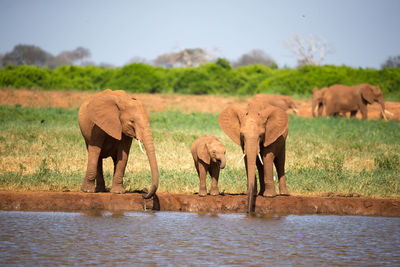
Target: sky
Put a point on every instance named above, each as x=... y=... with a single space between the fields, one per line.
x=360 y=33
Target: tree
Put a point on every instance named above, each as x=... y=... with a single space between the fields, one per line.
x=137 y=59
x=308 y=51
x=74 y=56
x=392 y=62
x=256 y=56
x=26 y=55
x=190 y=57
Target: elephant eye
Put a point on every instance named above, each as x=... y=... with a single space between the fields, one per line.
x=132 y=121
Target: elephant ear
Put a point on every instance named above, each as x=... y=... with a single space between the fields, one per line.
x=367 y=94
x=202 y=152
x=104 y=112
x=229 y=121
x=277 y=123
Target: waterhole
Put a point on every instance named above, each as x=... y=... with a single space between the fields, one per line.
x=190 y=239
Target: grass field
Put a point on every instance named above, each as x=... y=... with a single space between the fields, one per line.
x=42 y=149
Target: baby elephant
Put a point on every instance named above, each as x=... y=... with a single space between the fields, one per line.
x=209 y=156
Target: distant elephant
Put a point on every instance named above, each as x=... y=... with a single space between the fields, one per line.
x=317 y=102
x=209 y=156
x=342 y=98
x=281 y=101
x=108 y=121
x=260 y=130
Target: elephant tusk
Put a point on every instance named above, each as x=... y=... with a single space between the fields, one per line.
x=259 y=157
x=295 y=110
x=383 y=114
x=140 y=145
x=241 y=158
x=389 y=113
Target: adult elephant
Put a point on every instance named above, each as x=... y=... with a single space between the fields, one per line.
x=281 y=101
x=342 y=99
x=108 y=121
x=260 y=130
x=317 y=101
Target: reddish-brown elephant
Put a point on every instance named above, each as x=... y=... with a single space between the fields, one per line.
x=281 y=101
x=260 y=130
x=341 y=99
x=208 y=156
x=317 y=101
x=108 y=121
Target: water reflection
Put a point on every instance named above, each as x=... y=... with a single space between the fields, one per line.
x=148 y=238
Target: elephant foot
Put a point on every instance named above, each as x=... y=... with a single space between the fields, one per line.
x=286 y=194
x=214 y=192
x=270 y=195
x=118 y=189
x=202 y=193
x=88 y=186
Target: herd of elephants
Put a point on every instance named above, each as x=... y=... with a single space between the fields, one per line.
x=109 y=120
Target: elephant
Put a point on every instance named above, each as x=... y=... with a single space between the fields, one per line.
x=109 y=120
x=317 y=101
x=261 y=130
x=208 y=156
x=281 y=101
x=341 y=98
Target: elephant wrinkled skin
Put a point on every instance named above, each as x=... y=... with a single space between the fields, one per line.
x=208 y=156
x=108 y=121
x=259 y=129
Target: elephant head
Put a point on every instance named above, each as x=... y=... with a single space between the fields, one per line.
x=254 y=128
x=281 y=101
x=318 y=96
x=290 y=103
x=212 y=151
x=116 y=113
x=371 y=94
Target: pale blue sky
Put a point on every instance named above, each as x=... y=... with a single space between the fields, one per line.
x=363 y=33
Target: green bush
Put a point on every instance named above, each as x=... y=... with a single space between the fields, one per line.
x=212 y=78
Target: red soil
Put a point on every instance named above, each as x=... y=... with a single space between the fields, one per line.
x=156 y=102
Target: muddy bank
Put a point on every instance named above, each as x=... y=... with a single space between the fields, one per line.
x=74 y=201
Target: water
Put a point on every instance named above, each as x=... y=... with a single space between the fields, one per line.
x=187 y=239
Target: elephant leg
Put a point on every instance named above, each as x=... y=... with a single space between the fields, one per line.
x=88 y=184
x=269 y=176
x=202 y=171
x=214 y=172
x=353 y=113
x=260 y=169
x=122 y=159
x=100 y=185
x=320 y=109
x=364 y=111
x=279 y=162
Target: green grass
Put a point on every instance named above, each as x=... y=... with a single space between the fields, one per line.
x=42 y=149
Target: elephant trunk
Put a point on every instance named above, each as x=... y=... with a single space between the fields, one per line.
x=151 y=155
x=382 y=103
x=251 y=157
x=223 y=163
x=314 y=107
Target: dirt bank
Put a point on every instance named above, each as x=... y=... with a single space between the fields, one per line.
x=157 y=102
x=76 y=201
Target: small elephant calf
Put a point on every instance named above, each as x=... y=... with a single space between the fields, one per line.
x=209 y=156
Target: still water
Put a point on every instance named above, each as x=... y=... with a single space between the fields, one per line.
x=187 y=239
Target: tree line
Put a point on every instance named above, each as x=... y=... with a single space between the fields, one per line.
x=209 y=78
